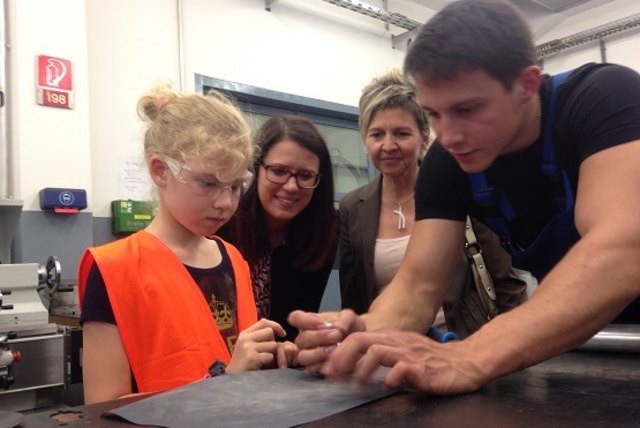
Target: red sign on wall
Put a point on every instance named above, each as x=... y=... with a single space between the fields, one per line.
x=55 y=73
x=54 y=82
x=51 y=98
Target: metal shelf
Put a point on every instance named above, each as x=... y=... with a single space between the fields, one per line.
x=595 y=34
x=542 y=51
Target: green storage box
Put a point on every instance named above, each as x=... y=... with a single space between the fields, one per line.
x=131 y=216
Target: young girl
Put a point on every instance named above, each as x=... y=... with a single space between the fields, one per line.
x=164 y=305
x=286 y=225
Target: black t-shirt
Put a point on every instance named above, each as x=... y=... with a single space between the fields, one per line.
x=293 y=289
x=290 y=288
x=217 y=285
x=597 y=107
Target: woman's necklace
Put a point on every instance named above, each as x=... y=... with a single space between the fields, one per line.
x=402 y=220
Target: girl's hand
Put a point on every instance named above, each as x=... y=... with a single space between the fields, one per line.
x=256 y=347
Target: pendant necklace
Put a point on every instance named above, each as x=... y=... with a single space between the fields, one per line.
x=402 y=220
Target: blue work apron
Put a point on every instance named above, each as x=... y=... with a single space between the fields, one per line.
x=559 y=234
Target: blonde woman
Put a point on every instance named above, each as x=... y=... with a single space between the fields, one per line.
x=376 y=220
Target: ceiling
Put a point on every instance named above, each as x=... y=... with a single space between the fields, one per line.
x=545 y=15
x=553 y=5
x=542 y=15
x=539 y=13
x=534 y=7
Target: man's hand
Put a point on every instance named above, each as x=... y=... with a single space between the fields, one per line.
x=321 y=333
x=425 y=364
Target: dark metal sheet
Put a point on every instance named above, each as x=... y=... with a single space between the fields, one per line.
x=578 y=389
x=10 y=419
x=267 y=398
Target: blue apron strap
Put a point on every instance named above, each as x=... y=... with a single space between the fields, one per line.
x=549 y=162
x=550 y=165
x=486 y=195
x=482 y=192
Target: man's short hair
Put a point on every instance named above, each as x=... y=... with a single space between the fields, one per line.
x=470 y=35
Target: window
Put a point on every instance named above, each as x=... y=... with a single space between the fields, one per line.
x=337 y=123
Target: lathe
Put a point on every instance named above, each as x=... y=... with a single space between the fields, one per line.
x=33 y=351
x=31 y=348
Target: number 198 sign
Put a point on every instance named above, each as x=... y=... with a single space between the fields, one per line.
x=55 y=82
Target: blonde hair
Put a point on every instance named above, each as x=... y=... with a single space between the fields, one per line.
x=391 y=90
x=210 y=129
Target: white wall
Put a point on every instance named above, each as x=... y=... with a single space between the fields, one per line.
x=120 y=48
x=132 y=44
x=308 y=48
x=50 y=146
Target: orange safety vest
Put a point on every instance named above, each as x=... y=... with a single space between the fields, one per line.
x=166 y=326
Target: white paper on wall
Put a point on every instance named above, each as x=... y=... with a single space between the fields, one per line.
x=133 y=180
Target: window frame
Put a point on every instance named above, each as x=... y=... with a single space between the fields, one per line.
x=253 y=99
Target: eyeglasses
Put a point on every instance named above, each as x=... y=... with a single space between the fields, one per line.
x=205 y=186
x=280 y=175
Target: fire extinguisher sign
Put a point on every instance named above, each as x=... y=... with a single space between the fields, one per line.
x=54 y=82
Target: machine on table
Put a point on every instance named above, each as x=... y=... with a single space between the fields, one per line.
x=34 y=353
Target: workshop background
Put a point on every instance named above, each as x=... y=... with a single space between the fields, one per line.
x=311 y=57
x=312 y=48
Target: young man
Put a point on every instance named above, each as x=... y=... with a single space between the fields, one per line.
x=553 y=171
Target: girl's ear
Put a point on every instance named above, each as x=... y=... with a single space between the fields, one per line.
x=158 y=170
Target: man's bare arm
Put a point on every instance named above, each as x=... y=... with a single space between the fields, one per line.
x=597 y=278
x=412 y=298
x=590 y=285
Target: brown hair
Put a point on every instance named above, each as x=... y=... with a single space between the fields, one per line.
x=312 y=234
x=469 y=35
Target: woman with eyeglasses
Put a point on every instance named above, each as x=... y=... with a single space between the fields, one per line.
x=286 y=224
x=172 y=304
